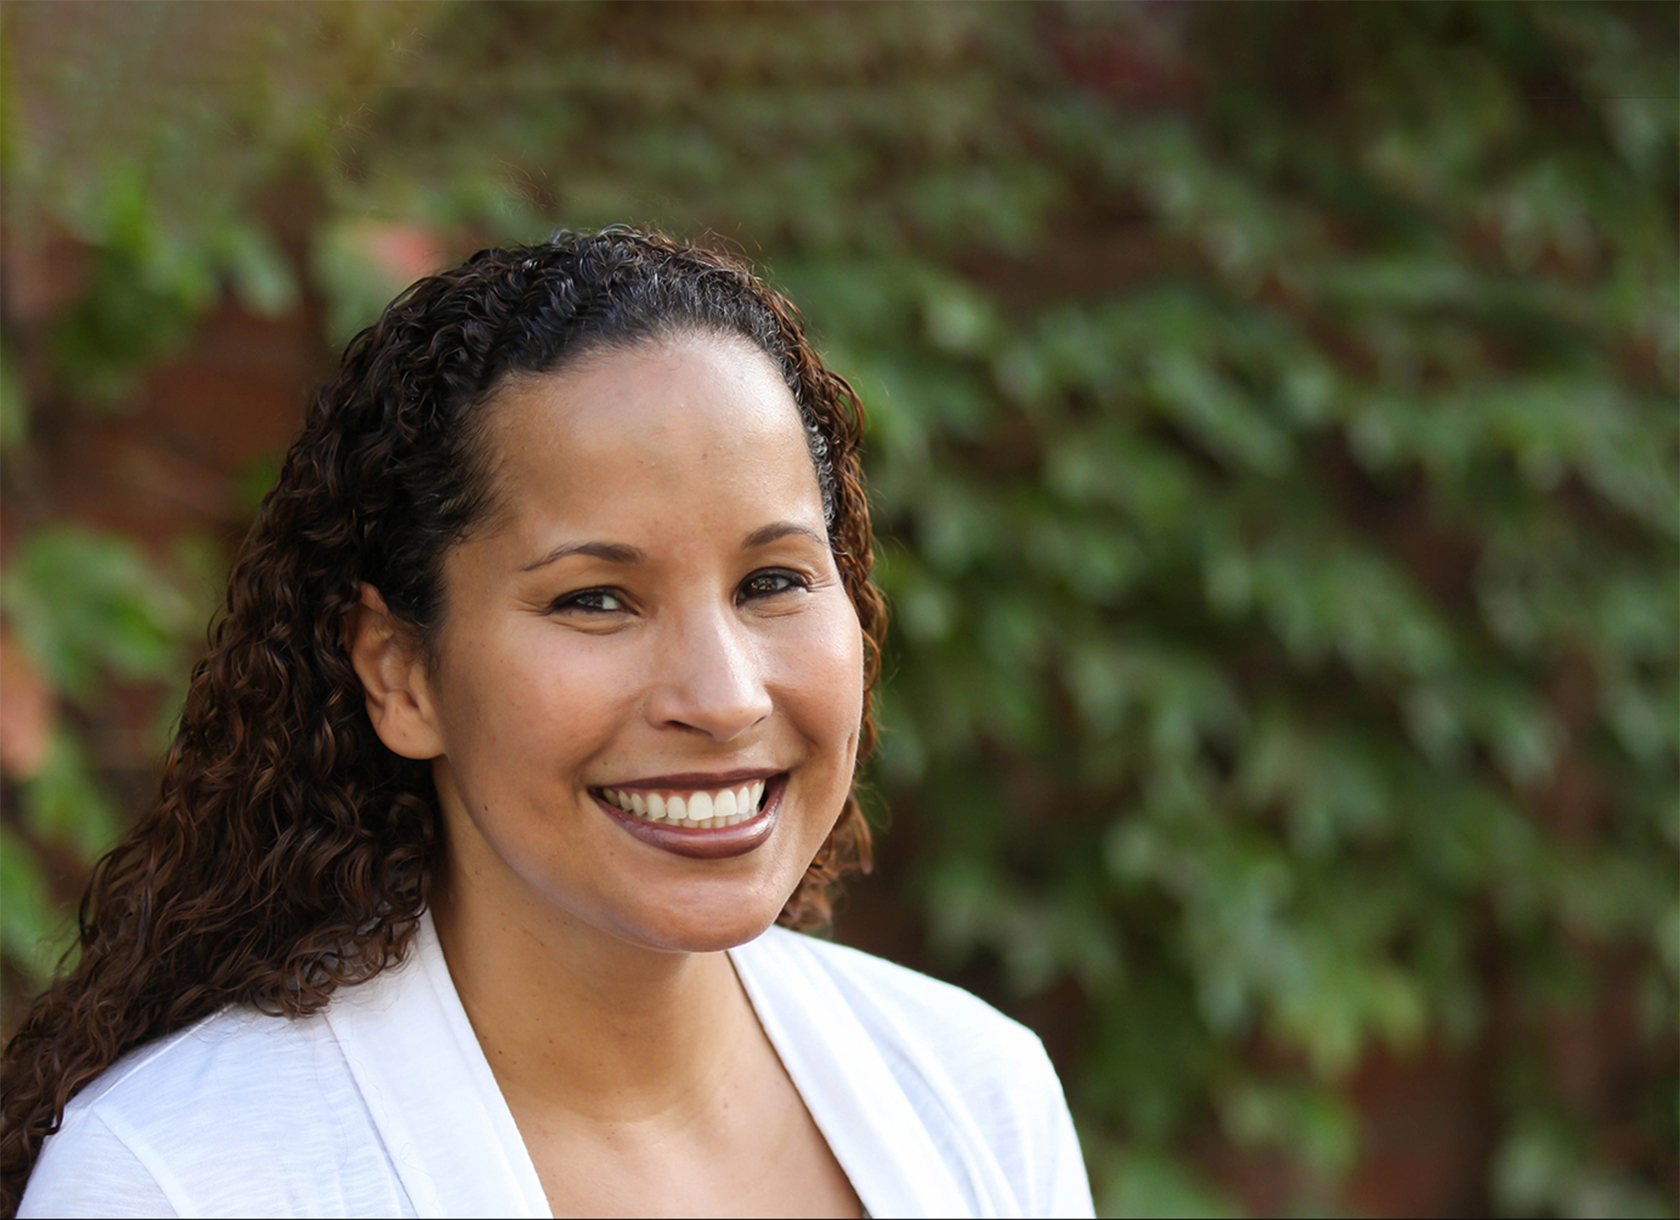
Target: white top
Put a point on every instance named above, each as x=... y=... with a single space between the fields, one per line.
x=384 y=1105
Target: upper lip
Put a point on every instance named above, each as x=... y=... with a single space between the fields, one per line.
x=700 y=779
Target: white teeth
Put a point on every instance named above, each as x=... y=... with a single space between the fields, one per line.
x=702 y=809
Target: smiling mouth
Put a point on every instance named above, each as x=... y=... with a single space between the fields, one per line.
x=665 y=817
x=695 y=809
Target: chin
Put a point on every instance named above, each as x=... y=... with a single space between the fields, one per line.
x=708 y=924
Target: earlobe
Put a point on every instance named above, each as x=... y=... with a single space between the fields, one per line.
x=388 y=660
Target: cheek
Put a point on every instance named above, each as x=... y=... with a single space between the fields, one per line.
x=531 y=701
x=822 y=679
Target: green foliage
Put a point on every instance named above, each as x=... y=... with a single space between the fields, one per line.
x=1273 y=447
x=88 y=604
x=89 y=608
x=27 y=910
x=14 y=409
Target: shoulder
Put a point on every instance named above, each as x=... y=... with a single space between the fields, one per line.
x=237 y=1066
x=976 y=1078
x=914 y=1013
x=217 y=1118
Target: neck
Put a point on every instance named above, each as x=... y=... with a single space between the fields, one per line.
x=574 y=1019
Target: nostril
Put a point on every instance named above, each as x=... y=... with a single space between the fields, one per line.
x=708 y=678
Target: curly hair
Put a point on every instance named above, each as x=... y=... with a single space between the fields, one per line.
x=289 y=851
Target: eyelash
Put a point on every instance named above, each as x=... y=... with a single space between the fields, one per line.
x=575 y=601
x=793 y=581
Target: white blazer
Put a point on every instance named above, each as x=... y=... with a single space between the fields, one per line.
x=384 y=1105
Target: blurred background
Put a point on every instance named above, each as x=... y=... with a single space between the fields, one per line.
x=1274 y=448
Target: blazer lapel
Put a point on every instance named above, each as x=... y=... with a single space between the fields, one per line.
x=431 y=1093
x=871 y=1128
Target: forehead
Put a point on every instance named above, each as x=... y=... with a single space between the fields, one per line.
x=691 y=415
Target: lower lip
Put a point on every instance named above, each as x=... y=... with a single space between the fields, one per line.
x=699 y=842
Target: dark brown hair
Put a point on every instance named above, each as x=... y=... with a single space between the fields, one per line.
x=289 y=850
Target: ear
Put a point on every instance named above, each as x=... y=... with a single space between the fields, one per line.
x=392 y=667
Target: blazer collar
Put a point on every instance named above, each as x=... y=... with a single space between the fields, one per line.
x=458 y=1151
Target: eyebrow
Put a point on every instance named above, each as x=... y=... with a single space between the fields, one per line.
x=781 y=529
x=618 y=552
x=612 y=552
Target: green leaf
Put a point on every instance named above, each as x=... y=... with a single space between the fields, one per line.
x=29 y=924
x=89 y=604
x=65 y=803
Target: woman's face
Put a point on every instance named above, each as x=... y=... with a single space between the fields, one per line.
x=650 y=623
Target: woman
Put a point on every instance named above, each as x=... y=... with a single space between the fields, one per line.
x=539 y=697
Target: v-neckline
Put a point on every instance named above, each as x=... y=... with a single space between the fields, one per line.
x=418 y=1064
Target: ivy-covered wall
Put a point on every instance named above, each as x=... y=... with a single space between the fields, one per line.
x=1275 y=449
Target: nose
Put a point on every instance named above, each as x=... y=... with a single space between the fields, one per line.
x=710 y=678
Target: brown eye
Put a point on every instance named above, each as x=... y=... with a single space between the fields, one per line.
x=589 y=601
x=770 y=582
